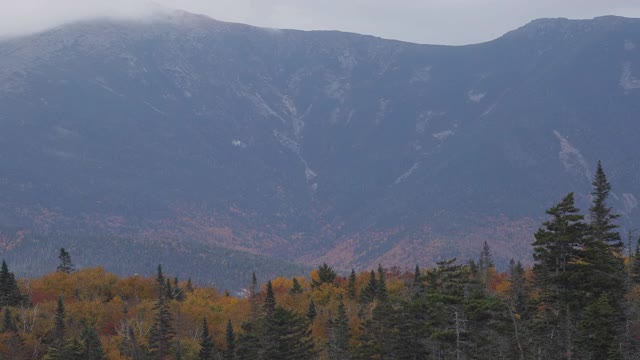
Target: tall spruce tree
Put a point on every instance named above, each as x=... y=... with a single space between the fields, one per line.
x=558 y=272
x=65 y=266
x=207 y=347
x=339 y=335
x=230 y=351
x=92 y=347
x=311 y=311
x=161 y=333
x=287 y=336
x=10 y=294
x=351 y=285
x=381 y=286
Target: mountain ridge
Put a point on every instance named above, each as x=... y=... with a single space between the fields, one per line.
x=314 y=146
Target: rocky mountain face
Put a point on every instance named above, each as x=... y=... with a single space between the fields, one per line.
x=313 y=146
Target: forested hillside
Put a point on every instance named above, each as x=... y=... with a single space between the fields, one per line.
x=580 y=300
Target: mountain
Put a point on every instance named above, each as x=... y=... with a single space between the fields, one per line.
x=313 y=146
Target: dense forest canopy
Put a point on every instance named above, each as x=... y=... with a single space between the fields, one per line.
x=580 y=300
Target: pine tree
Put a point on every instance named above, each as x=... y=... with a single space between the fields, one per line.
x=206 y=343
x=295 y=288
x=603 y=248
x=351 y=285
x=368 y=293
x=8 y=323
x=417 y=285
x=326 y=275
x=92 y=347
x=269 y=300
x=161 y=333
x=381 y=286
x=189 y=286
x=287 y=336
x=65 y=266
x=339 y=335
x=60 y=325
x=597 y=340
x=230 y=351
x=485 y=265
x=10 y=294
x=559 y=272
x=311 y=311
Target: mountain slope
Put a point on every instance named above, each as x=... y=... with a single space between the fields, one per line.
x=312 y=146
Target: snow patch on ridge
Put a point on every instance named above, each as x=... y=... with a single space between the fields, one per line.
x=408 y=173
x=474 y=96
x=571 y=158
x=443 y=135
x=627 y=80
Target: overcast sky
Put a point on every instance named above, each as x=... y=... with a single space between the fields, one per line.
x=423 y=21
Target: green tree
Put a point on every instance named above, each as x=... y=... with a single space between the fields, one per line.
x=381 y=285
x=559 y=272
x=10 y=294
x=65 y=266
x=326 y=275
x=369 y=291
x=295 y=288
x=351 y=285
x=207 y=348
x=270 y=299
x=8 y=323
x=230 y=351
x=92 y=347
x=287 y=336
x=339 y=335
x=161 y=333
x=311 y=311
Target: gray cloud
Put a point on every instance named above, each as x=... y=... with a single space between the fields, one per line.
x=424 y=21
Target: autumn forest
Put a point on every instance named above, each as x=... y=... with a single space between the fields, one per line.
x=580 y=300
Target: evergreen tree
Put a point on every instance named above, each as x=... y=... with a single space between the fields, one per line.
x=250 y=340
x=160 y=283
x=559 y=273
x=635 y=264
x=417 y=287
x=381 y=285
x=229 y=353
x=603 y=248
x=161 y=333
x=596 y=338
x=351 y=285
x=287 y=336
x=60 y=325
x=326 y=275
x=485 y=265
x=8 y=323
x=295 y=288
x=368 y=293
x=339 y=335
x=311 y=311
x=269 y=300
x=207 y=347
x=518 y=293
x=92 y=347
x=189 y=286
x=65 y=266
x=10 y=294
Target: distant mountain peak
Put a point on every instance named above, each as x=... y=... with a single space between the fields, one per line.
x=564 y=28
